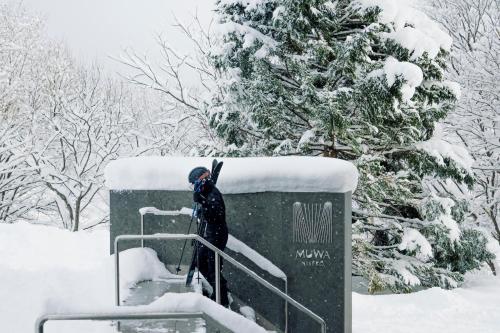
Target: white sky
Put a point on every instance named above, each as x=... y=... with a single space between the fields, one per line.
x=95 y=29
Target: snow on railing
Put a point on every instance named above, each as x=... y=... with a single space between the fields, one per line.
x=238 y=246
x=156 y=211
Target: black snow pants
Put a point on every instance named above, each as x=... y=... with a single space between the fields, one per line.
x=216 y=235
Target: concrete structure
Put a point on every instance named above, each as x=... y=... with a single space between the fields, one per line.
x=306 y=234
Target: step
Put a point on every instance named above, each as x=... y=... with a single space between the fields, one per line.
x=164 y=326
x=146 y=292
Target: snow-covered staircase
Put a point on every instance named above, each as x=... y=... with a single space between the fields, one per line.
x=215 y=317
x=147 y=292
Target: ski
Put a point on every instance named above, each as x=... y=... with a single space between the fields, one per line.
x=192 y=267
x=216 y=167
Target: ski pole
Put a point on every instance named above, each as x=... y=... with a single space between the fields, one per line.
x=198 y=245
x=178 y=269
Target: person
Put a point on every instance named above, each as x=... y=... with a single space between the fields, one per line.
x=213 y=212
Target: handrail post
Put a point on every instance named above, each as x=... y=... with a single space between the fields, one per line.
x=117 y=273
x=142 y=229
x=40 y=322
x=286 y=306
x=217 y=278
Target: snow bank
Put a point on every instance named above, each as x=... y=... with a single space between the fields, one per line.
x=238 y=175
x=29 y=247
x=139 y=264
x=475 y=308
x=49 y=270
x=45 y=269
x=412 y=29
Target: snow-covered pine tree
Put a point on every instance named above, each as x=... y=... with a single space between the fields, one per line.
x=360 y=80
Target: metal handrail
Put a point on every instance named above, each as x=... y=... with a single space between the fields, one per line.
x=40 y=322
x=158 y=212
x=218 y=253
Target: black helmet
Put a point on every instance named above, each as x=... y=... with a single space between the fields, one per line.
x=195 y=174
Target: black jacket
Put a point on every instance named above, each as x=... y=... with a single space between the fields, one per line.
x=213 y=212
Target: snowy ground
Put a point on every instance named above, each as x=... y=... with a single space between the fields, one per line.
x=473 y=308
x=47 y=269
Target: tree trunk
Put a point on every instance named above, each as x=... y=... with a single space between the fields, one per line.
x=330 y=152
x=76 y=225
x=492 y=267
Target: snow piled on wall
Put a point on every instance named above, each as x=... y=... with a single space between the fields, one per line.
x=238 y=175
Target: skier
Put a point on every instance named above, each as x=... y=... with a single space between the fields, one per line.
x=213 y=213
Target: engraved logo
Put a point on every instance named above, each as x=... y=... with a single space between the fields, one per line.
x=312 y=223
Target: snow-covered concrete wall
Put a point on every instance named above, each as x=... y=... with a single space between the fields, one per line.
x=303 y=231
